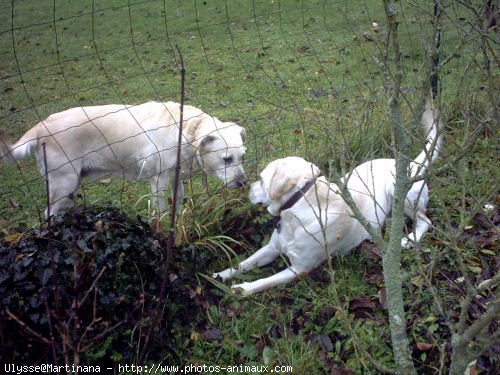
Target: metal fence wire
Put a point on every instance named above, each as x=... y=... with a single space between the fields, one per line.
x=302 y=77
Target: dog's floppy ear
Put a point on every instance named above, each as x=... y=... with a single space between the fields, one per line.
x=207 y=140
x=285 y=177
x=243 y=134
x=280 y=183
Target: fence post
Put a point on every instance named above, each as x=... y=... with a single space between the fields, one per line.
x=171 y=232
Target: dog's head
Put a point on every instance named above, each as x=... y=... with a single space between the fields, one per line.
x=220 y=154
x=279 y=180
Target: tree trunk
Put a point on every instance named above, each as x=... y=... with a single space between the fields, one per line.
x=392 y=255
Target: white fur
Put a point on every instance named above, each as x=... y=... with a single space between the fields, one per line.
x=130 y=142
x=321 y=223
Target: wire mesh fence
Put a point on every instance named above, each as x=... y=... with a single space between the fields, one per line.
x=308 y=78
x=302 y=78
x=264 y=79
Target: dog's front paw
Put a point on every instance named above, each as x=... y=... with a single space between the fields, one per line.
x=226 y=274
x=243 y=289
x=407 y=243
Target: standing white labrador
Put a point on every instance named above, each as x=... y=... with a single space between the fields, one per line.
x=131 y=142
x=316 y=221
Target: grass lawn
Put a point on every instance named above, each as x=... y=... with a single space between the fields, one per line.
x=304 y=78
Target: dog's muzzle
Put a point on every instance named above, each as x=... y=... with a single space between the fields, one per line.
x=238 y=183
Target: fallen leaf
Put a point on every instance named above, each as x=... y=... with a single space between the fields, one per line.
x=483 y=220
x=368 y=36
x=471 y=369
x=318 y=93
x=361 y=302
x=418 y=281
x=322 y=340
x=475 y=269
x=13 y=239
x=370 y=250
x=361 y=307
x=488 y=252
x=212 y=334
x=14 y=203
x=424 y=346
x=373 y=278
x=382 y=298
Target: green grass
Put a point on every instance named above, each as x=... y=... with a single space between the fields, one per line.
x=275 y=68
x=303 y=78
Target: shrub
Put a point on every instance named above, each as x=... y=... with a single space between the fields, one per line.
x=84 y=290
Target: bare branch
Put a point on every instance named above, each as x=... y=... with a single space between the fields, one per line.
x=27 y=328
x=481 y=323
x=82 y=301
x=488 y=284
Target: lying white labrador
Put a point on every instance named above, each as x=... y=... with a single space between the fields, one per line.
x=316 y=221
x=130 y=142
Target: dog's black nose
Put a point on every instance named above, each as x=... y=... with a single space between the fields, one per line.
x=239 y=183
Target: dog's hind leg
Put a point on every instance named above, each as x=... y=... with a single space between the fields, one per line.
x=422 y=225
x=415 y=209
x=180 y=192
x=158 y=189
x=62 y=187
x=263 y=256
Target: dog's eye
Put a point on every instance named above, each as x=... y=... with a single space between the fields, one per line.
x=228 y=159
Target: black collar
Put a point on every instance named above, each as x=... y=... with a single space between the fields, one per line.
x=291 y=202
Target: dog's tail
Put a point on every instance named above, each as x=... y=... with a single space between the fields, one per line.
x=12 y=152
x=432 y=126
